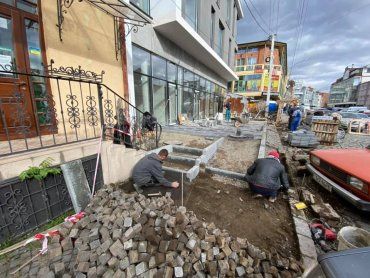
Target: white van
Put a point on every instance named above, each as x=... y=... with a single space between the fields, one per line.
x=356 y=109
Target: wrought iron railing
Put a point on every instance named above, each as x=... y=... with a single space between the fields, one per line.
x=57 y=106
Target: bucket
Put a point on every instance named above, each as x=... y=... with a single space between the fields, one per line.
x=351 y=237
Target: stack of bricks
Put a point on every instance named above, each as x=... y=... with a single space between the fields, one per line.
x=303 y=139
x=128 y=235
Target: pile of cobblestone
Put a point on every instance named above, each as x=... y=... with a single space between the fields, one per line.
x=129 y=235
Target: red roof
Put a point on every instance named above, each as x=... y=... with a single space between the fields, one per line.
x=355 y=162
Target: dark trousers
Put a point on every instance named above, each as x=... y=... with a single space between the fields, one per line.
x=267 y=192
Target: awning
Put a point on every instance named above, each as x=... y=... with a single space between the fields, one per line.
x=122 y=9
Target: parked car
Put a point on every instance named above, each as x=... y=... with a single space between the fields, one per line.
x=344 y=172
x=352 y=263
x=347 y=117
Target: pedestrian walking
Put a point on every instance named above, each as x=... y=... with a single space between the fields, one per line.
x=228 y=111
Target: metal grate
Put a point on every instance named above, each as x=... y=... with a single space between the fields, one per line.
x=25 y=206
x=340 y=175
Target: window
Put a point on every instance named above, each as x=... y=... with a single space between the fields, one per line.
x=229 y=54
x=159 y=67
x=241 y=50
x=143 y=5
x=188 y=78
x=141 y=60
x=190 y=12
x=221 y=29
x=29 y=6
x=234 y=19
x=254 y=49
x=252 y=61
x=212 y=37
x=228 y=19
x=180 y=75
x=142 y=92
x=240 y=62
x=171 y=72
x=159 y=88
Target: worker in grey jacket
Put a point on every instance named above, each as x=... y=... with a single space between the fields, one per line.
x=148 y=171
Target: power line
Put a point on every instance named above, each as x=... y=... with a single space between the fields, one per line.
x=259 y=25
x=258 y=13
x=277 y=17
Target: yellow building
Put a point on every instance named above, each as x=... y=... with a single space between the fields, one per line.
x=56 y=57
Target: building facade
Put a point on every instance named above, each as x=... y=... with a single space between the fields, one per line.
x=182 y=62
x=363 y=98
x=307 y=96
x=252 y=69
x=344 y=91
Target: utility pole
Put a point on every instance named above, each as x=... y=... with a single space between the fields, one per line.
x=272 y=37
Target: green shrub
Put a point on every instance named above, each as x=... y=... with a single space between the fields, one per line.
x=41 y=172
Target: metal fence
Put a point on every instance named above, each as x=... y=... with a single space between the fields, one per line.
x=27 y=205
x=57 y=106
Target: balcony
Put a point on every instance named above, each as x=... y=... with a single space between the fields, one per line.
x=170 y=23
x=258 y=68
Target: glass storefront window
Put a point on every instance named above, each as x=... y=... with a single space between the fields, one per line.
x=208 y=86
x=180 y=100
x=142 y=92
x=187 y=105
x=202 y=105
x=171 y=72
x=208 y=96
x=196 y=81
x=159 y=99
x=141 y=60
x=188 y=78
x=172 y=104
x=180 y=75
x=159 y=67
x=202 y=84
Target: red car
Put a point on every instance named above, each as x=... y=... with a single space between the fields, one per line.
x=345 y=172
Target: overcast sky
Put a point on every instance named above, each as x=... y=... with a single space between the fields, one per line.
x=336 y=34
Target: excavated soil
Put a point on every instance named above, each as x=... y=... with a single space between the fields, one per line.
x=186 y=139
x=264 y=224
x=235 y=155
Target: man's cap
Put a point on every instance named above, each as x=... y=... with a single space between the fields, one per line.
x=274 y=153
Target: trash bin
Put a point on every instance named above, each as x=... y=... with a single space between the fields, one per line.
x=352 y=237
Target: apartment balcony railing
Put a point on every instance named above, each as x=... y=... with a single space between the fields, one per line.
x=258 y=68
x=58 y=106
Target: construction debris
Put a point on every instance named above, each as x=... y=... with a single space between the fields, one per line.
x=128 y=235
x=327 y=213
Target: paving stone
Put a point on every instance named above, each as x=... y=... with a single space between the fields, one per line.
x=104 y=258
x=240 y=271
x=95 y=244
x=191 y=244
x=141 y=268
x=117 y=249
x=83 y=256
x=124 y=263
x=130 y=271
x=133 y=256
x=128 y=244
x=83 y=267
x=113 y=262
x=92 y=273
x=127 y=222
x=119 y=274
x=142 y=246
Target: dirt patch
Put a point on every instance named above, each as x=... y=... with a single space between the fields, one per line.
x=177 y=165
x=186 y=139
x=264 y=224
x=236 y=156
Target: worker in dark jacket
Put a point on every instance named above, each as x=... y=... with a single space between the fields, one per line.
x=148 y=171
x=266 y=176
